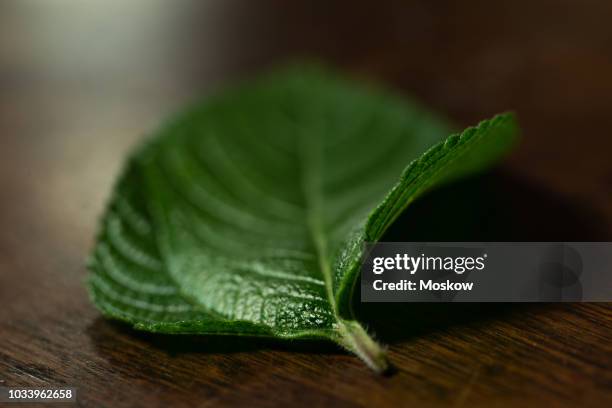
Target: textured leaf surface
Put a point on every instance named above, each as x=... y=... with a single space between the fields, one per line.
x=247 y=215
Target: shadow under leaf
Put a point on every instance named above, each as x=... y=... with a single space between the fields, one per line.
x=491 y=207
x=110 y=335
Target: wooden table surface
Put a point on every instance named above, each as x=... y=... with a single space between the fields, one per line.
x=81 y=82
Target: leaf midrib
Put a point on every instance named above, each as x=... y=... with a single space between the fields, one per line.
x=348 y=333
x=310 y=183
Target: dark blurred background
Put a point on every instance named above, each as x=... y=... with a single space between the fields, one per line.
x=82 y=81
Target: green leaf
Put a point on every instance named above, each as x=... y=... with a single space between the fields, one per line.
x=247 y=215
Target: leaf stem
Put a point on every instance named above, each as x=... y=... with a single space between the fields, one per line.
x=355 y=339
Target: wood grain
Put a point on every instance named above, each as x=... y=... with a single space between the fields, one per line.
x=81 y=83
